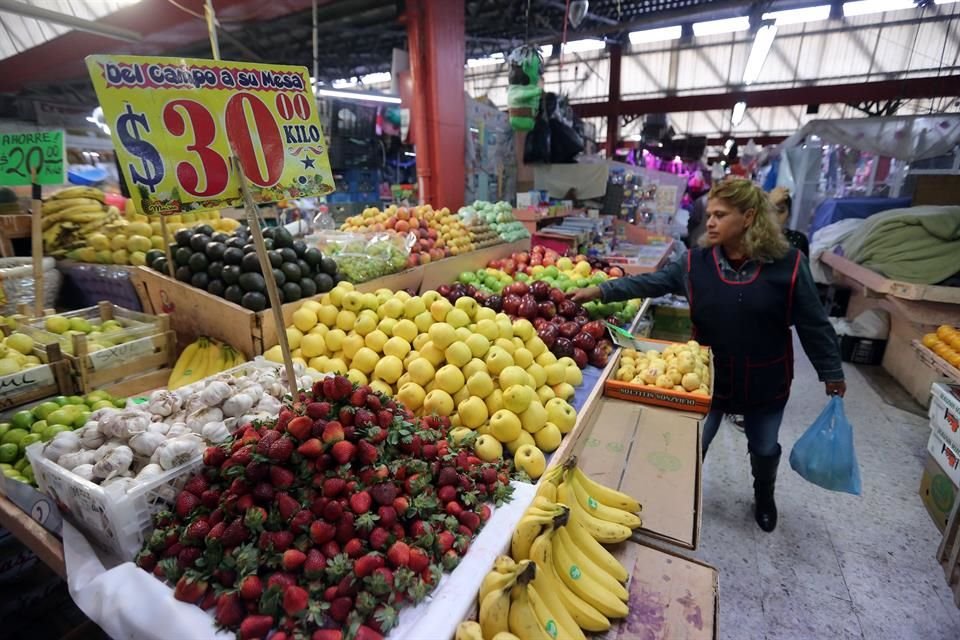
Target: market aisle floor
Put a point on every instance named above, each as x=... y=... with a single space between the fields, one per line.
x=837 y=566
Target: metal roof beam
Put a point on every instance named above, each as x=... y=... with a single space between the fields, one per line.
x=73 y=22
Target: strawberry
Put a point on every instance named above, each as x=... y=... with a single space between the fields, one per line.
x=400 y=505
x=384 y=493
x=209 y=600
x=146 y=560
x=312 y=448
x=244 y=502
x=189 y=589
x=185 y=503
x=251 y=588
x=257 y=471
x=445 y=540
x=327 y=634
x=450 y=560
x=363 y=419
x=373 y=402
x=196 y=531
x=367 y=453
x=419 y=560
x=359 y=397
x=453 y=508
x=295 y=600
x=343 y=451
x=196 y=485
x=287 y=506
x=300 y=427
x=300 y=523
x=340 y=608
x=255 y=626
x=470 y=520
x=430 y=451
x=281 y=449
x=332 y=432
x=281 y=478
x=318 y=410
x=230 y=610
x=360 y=502
x=281 y=580
x=384 y=419
x=293 y=559
x=489 y=475
x=239 y=487
x=188 y=556
x=366 y=565
x=399 y=554
x=284 y=418
x=343 y=387
x=330 y=593
x=397 y=531
x=345 y=528
x=447 y=493
x=379 y=538
x=388 y=516
x=447 y=476
x=210 y=498
x=282 y=540
x=353 y=549
x=366 y=633
x=214 y=456
x=314 y=565
x=321 y=531
x=330 y=548
x=333 y=487
x=243 y=455
x=235 y=533
x=333 y=511
x=419 y=528
x=485 y=512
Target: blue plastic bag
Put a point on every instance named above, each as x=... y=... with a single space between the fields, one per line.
x=824 y=455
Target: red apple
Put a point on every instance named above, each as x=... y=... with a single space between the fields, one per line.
x=557 y=296
x=540 y=290
x=595 y=329
x=585 y=341
x=568 y=308
x=528 y=309
x=546 y=309
x=511 y=304
x=444 y=290
x=601 y=353
x=569 y=329
x=523 y=257
x=580 y=357
x=494 y=302
x=539 y=323
x=548 y=334
x=562 y=347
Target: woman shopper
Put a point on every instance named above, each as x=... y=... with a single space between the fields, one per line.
x=782 y=205
x=745 y=286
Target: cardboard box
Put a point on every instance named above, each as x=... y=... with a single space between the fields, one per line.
x=654 y=455
x=679 y=400
x=946 y=456
x=38 y=506
x=937 y=492
x=944 y=412
x=672 y=320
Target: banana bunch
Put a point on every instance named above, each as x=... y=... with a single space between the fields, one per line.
x=202 y=358
x=71 y=214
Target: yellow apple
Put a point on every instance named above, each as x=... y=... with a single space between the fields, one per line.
x=459 y=434
x=439 y=402
x=548 y=438
x=534 y=417
x=494 y=401
x=457 y=318
x=475 y=365
x=538 y=373
x=497 y=360
x=523 y=357
x=468 y=305
x=396 y=347
x=421 y=371
x=478 y=344
x=458 y=354
x=511 y=376
x=545 y=358
x=506 y=344
x=440 y=309
x=564 y=391
x=472 y=412
x=489 y=449
x=376 y=340
x=535 y=346
x=423 y=321
x=522 y=439
x=573 y=376
x=450 y=379
x=413 y=307
x=389 y=369
x=405 y=329
x=488 y=329
x=505 y=425
x=556 y=373
x=411 y=395
x=480 y=384
x=560 y=413
x=365 y=360
x=517 y=398
x=523 y=329
x=530 y=459
x=433 y=353
x=442 y=335
x=545 y=394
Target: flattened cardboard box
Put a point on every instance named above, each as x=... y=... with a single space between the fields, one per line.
x=944 y=412
x=653 y=455
x=945 y=455
x=937 y=492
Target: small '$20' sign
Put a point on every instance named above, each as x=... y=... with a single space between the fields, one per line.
x=24 y=153
x=176 y=124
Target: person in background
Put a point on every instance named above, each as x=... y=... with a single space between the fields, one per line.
x=783 y=204
x=746 y=287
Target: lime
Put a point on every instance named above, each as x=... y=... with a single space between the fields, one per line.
x=120 y=403
x=5 y=465
x=14 y=436
x=102 y=404
x=44 y=409
x=21 y=342
x=21 y=464
x=13 y=474
x=61 y=400
x=22 y=419
x=4 y=427
x=61 y=416
x=96 y=396
x=82 y=418
x=53 y=430
x=38 y=427
x=76 y=400
x=56 y=324
x=27 y=474
x=8 y=453
x=29 y=440
x=80 y=324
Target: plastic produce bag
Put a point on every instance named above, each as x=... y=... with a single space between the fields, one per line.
x=364 y=256
x=824 y=454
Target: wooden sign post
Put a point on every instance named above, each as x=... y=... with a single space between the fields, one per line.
x=36 y=243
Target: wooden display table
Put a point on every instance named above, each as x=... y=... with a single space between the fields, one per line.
x=535 y=220
x=43 y=543
x=13 y=226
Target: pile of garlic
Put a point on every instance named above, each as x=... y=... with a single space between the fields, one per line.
x=121 y=448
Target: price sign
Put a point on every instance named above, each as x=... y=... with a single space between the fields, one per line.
x=176 y=123
x=27 y=151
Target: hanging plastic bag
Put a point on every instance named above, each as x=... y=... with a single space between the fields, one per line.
x=824 y=455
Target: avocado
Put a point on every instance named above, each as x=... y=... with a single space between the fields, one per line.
x=215 y=269
x=183 y=237
x=233 y=293
x=153 y=255
x=200 y=280
x=250 y=263
x=199 y=242
x=182 y=256
x=268 y=244
x=300 y=247
x=183 y=274
x=205 y=229
x=279 y=277
x=220 y=236
x=216 y=287
x=337 y=279
x=308 y=288
x=282 y=238
x=313 y=257
x=252 y=282
x=215 y=251
x=233 y=255
x=324 y=282
x=329 y=266
x=288 y=255
x=254 y=301
x=230 y=273
x=305 y=270
x=249 y=248
x=198 y=262
x=160 y=264
x=236 y=242
x=292 y=271
x=268 y=232
x=275 y=259
x=291 y=292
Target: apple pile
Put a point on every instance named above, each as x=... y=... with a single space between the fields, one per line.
x=564 y=326
x=325 y=521
x=539 y=258
x=679 y=367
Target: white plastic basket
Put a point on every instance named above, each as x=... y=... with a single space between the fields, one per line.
x=16 y=278
x=119 y=522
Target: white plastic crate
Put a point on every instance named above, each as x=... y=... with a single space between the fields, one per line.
x=119 y=522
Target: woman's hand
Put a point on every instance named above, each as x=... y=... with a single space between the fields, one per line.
x=836 y=388
x=585 y=295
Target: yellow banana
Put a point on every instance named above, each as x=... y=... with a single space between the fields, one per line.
x=545 y=504
x=588 y=566
x=219 y=363
x=600 y=510
x=468 y=630
x=78 y=192
x=595 y=551
x=215 y=359
x=547 y=490
x=523 y=620
x=494 y=613
x=182 y=362
x=557 y=594
x=584 y=585
x=53 y=206
x=82 y=214
x=601 y=530
x=555 y=619
x=504 y=635
x=504 y=564
x=498 y=580
x=527 y=530
x=606 y=495
x=553 y=475
x=194 y=369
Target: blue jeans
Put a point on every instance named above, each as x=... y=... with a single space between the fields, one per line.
x=761 y=427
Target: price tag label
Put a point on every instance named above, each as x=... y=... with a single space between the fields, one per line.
x=25 y=151
x=176 y=122
x=13 y=384
x=120 y=354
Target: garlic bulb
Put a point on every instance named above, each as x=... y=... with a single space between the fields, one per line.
x=215 y=393
x=70 y=460
x=119 y=484
x=176 y=430
x=115 y=462
x=85 y=471
x=215 y=432
x=146 y=443
x=149 y=471
x=62 y=443
x=237 y=405
x=105 y=449
x=178 y=451
x=90 y=436
x=164 y=403
x=159 y=427
x=268 y=404
x=196 y=420
x=252 y=389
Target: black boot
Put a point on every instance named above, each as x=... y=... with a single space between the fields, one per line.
x=764 y=478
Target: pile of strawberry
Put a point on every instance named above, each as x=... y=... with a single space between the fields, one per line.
x=322 y=524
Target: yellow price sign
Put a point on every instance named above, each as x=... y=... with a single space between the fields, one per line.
x=176 y=123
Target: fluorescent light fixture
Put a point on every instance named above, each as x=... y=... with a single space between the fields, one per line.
x=496 y=58
x=945 y=1
x=739 y=110
x=376 y=77
x=655 y=35
x=806 y=14
x=410 y=153
x=715 y=27
x=358 y=95
x=758 y=52
x=546 y=50
x=865 y=7
x=582 y=46
x=343 y=83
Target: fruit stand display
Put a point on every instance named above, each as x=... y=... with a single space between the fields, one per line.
x=28 y=373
